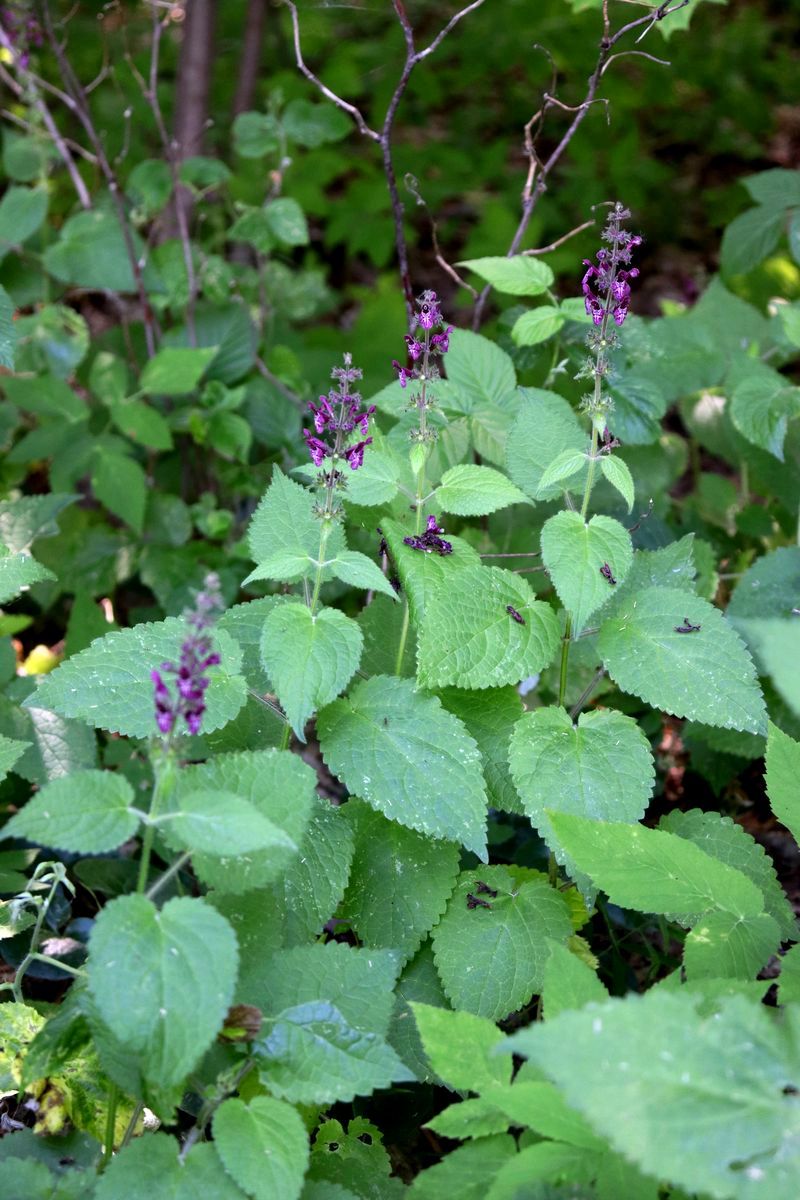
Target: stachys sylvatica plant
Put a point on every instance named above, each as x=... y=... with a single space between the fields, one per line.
x=402 y=811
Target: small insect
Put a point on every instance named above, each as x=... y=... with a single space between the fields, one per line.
x=474 y=902
x=608 y=574
x=483 y=889
x=686 y=627
x=512 y=612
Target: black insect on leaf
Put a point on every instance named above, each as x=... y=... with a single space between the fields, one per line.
x=512 y=612
x=686 y=627
x=483 y=889
x=475 y=902
x=608 y=574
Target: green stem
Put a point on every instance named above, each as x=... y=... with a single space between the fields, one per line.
x=16 y=987
x=111 y=1119
x=163 y=782
x=325 y=533
x=286 y=736
x=170 y=873
x=587 y=492
x=401 y=648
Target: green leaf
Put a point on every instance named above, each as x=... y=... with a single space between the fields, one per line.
x=108 y=685
x=537 y=325
x=359 y=571
x=706 y=675
x=142 y=424
x=224 y=825
x=730 y=843
x=789 y=983
x=24 y=520
x=22 y=211
x=313 y=125
x=783 y=773
x=469 y=638
x=384 y=721
x=162 y=980
x=120 y=484
x=8 y=334
x=761 y=407
x=491 y=960
x=489 y=716
x=422 y=574
x=576 y=554
x=473 y=491
x=749 y=239
x=466 y=1172
x=91 y=253
x=287 y=222
x=776 y=645
x=87 y=811
x=56 y=747
x=520 y=275
x=618 y=474
x=176 y=371
x=150 y=1166
x=150 y=185
x=600 y=768
x=279 y=786
x=317 y=877
x=352 y=1163
x=769 y=587
x=708 y=1102
x=654 y=871
x=400 y=881
x=722 y=946
x=480 y=371
x=10 y=750
x=420 y=983
x=255 y=134
x=565 y=466
x=310 y=658
x=468 y=1119
x=18 y=573
x=568 y=983
x=460 y=1047
x=777 y=188
x=263 y=1146
x=284 y=534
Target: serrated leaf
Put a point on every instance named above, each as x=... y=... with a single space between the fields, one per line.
x=479 y=371
x=537 y=325
x=568 y=983
x=284 y=535
x=775 y=645
x=86 y=812
x=769 y=587
x=24 y=520
x=489 y=716
x=384 y=721
x=11 y=749
x=749 y=239
x=689 y=1098
x=263 y=1146
x=316 y=879
x=149 y=969
x=783 y=777
x=671 y=566
x=706 y=675
x=460 y=1048
x=309 y=657
x=421 y=573
x=473 y=491
x=355 y=1158
x=18 y=573
x=466 y=1172
x=564 y=467
x=722 y=946
x=400 y=881
x=287 y=222
x=108 y=685
x=776 y=188
x=730 y=843
x=520 y=275
x=359 y=571
x=600 y=768
x=281 y=789
x=469 y=638
x=176 y=370
x=618 y=474
x=576 y=553
x=224 y=825
x=654 y=871
x=491 y=960
x=150 y=1166
x=468 y=1119
x=761 y=406
x=142 y=424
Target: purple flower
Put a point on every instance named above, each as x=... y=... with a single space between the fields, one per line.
x=442 y=340
x=415 y=348
x=323 y=414
x=355 y=454
x=605 y=286
x=429 y=314
x=405 y=373
x=317 y=449
x=429 y=541
x=196 y=658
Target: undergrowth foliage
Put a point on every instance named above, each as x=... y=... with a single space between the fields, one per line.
x=397 y=781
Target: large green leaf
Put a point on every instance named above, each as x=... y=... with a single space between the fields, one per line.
x=284 y=534
x=176 y=370
x=224 y=825
x=491 y=956
x=706 y=1102
x=162 y=980
x=91 y=253
x=770 y=587
x=18 y=573
x=600 y=768
x=466 y=1172
x=489 y=716
x=315 y=880
x=473 y=491
x=706 y=674
x=576 y=554
x=519 y=275
x=400 y=881
x=761 y=406
x=419 y=983
x=776 y=648
x=87 y=812
x=263 y=1145
x=537 y=325
x=420 y=573
x=654 y=871
x=569 y=982
x=460 y=1047
x=470 y=639
x=545 y=427
x=119 y=482
x=783 y=779
x=750 y=238
x=150 y=1167
x=385 y=722
x=723 y=946
x=480 y=371
x=22 y=211
x=310 y=658
x=108 y=685
x=28 y=518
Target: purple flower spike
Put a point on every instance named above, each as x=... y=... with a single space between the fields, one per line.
x=196 y=658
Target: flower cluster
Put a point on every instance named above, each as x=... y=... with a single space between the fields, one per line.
x=335 y=417
x=423 y=345
x=605 y=287
x=430 y=540
x=197 y=656
x=22 y=29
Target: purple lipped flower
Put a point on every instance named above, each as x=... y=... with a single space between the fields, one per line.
x=429 y=313
x=442 y=340
x=323 y=414
x=355 y=454
x=434 y=526
x=196 y=659
x=404 y=373
x=429 y=541
x=415 y=348
x=317 y=449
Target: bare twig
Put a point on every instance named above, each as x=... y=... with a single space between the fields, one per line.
x=383 y=137
x=662 y=62
x=412 y=185
x=539 y=169
x=559 y=241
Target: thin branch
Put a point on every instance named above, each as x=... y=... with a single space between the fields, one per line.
x=412 y=185
x=559 y=241
x=586 y=693
x=662 y=62
x=277 y=383
x=451 y=24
